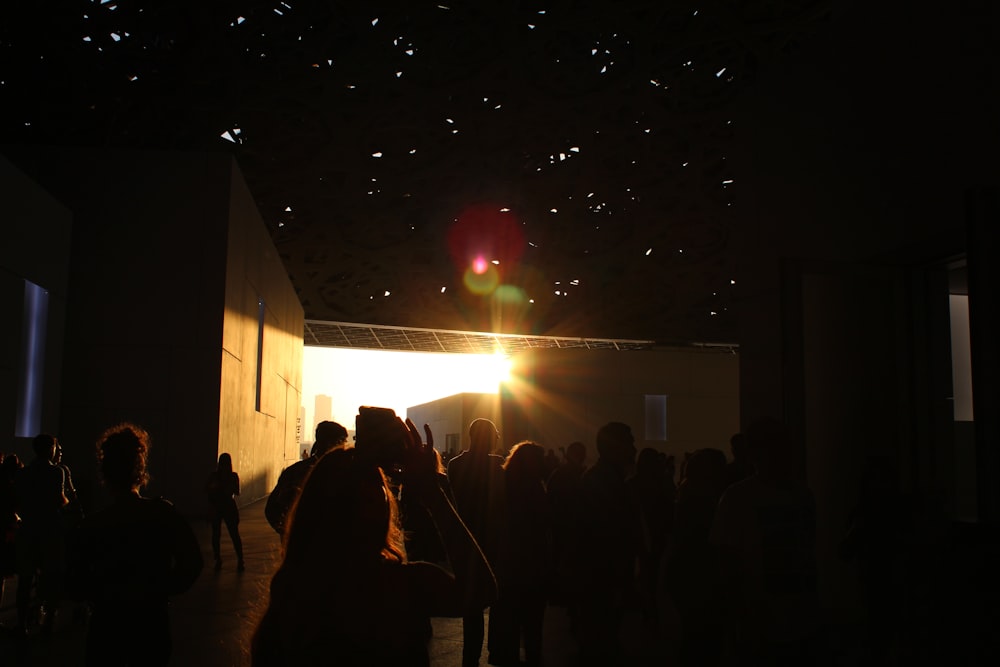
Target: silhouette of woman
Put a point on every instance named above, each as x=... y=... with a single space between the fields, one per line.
x=222 y=488
x=345 y=593
x=132 y=556
x=520 y=611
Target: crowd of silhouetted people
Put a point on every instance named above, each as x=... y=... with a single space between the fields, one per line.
x=114 y=568
x=725 y=548
x=373 y=548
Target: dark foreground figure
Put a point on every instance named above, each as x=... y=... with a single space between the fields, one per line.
x=345 y=593
x=132 y=556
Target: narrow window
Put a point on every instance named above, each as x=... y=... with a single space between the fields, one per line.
x=34 y=326
x=656 y=417
x=260 y=350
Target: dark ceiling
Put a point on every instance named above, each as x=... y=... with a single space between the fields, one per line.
x=576 y=149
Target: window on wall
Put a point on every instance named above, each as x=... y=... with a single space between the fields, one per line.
x=34 y=326
x=656 y=417
x=260 y=351
x=451 y=443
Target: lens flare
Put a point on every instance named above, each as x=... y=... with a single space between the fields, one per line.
x=485 y=232
x=510 y=294
x=480 y=265
x=483 y=283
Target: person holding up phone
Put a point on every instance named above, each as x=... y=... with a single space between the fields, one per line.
x=345 y=592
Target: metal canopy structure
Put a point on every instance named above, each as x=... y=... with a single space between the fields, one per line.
x=349 y=335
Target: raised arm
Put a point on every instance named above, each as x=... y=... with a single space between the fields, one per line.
x=474 y=584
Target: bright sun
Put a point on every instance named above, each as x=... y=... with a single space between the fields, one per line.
x=395 y=380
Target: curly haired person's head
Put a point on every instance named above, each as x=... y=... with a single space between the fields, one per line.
x=122 y=452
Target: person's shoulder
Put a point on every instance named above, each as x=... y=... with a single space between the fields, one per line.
x=418 y=575
x=457 y=461
x=297 y=469
x=742 y=491
x=157 y=507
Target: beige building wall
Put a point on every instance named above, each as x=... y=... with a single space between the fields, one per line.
x=560 y=396
x=169 y=258
x=261 y=333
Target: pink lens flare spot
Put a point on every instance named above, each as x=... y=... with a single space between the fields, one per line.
x=479 y=265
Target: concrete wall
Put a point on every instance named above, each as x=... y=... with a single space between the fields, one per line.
x=155 y=306
x=261 y=439
x=36 y=248
x=852 y=196
x=566 y=395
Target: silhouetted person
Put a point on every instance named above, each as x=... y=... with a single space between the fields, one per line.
x=328 y=435
x=41 y=539
x=740 y=467
x=422 y=539
x=133 y=555
x=611 y=543
x=551 y=463
x=477 y=482
x=565 y=495
x=876 y=539
x=9 y=521
x=765 y=527
x=691 y=574
x=345 y=593
x=520 y=610
x=73 y=510
x=222 y=488
x=655 y=496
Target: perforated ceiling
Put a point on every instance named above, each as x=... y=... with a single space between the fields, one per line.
x=541 y=168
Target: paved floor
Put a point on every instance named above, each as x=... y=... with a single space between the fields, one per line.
x=212 y=621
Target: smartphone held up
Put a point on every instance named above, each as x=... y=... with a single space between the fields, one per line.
x=380 y=436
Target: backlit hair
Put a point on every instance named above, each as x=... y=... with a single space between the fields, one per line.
x=337 y=513
x=122 y=452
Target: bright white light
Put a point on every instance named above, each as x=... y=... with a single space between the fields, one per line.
x=357 y=377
